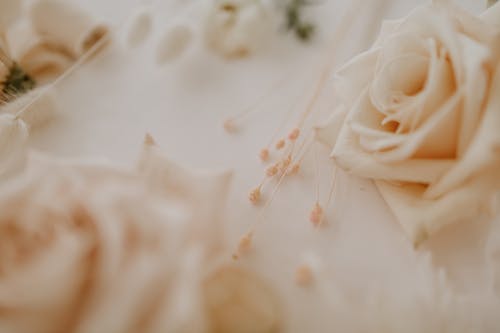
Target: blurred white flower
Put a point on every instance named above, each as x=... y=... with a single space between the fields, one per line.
x=48 y=37
x=235 y=28
x=140 y=27
x=36 y=47
x=87 y=247
x=174 y=42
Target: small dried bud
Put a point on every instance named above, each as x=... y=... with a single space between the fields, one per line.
x=304 y=275
x=285 y=163
x=244 y=245
x=229 y=126
x=264 y=154
x=254 y=196
x=272 y=170
x=294 y=169
x=316 y=215
x=294 y=134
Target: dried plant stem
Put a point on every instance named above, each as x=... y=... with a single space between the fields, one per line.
x=300 y=152
x=253 y=108
x=316 y=171
x=340 y=34
x=333 y=185
x=304 y=148
x=287 y=118
x=79 y=63
x=330 y=194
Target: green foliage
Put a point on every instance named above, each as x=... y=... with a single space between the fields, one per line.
x=295 y=22
x=17 y=82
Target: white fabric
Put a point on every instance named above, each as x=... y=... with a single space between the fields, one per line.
x=373 y=279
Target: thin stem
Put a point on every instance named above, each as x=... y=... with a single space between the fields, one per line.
x=340 y=34
x=316 y=169
x=72 y=69
x=253 y=108
x=275 y=190
x=288 y=116
x=334 y=181
x=5 y=59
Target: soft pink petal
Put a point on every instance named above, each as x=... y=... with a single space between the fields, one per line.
x=355 y=76
x=483 y=150
x=475 y=59
x=329 y=132
x=349 y=155
x=492 y=15
x=421 y=218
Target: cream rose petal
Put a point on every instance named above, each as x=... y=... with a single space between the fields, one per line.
x=188 y=186
x=420 y=143
x=351 y=157
x=421 y=218
x=355 y=76
x=483 y=150
x=492 y=15
x=412 y=110
x=437 y=89
x=476 y=58
x=387 y=29
x=431 y=84
x=329 y=132
x=436 y=23
x=398 y=78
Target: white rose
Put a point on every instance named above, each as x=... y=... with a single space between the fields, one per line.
x=420 y=115
x=235 y=28
x=87 y=247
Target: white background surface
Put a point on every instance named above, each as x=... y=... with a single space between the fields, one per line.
x=112 y=102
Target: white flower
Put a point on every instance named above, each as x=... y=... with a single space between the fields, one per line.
x=87 y=247
x=235 y=28
x=174 y=42
x=49 y=37
x=419 y=114
x=44 y=42
x=140 y=27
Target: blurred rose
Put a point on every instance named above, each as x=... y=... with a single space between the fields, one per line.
x=87 y=247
